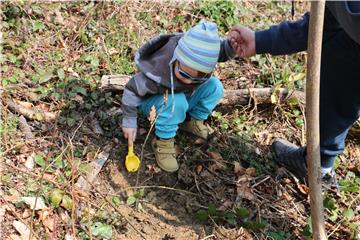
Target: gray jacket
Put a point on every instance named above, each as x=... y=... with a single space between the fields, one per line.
x=155 y=61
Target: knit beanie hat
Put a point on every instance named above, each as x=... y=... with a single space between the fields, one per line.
x=199 y=47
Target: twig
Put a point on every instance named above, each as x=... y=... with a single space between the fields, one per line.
x=258 y=183
x=30 y=173
x=42 y=176
x=147 y=136
x=72 y=188
x=18 y=217
x=154 y=186
x=207 y=237
x=117 y=210
x=197 y=185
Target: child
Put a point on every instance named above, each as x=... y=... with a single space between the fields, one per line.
x=183 y=64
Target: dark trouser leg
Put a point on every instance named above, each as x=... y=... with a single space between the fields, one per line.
x=339 y=94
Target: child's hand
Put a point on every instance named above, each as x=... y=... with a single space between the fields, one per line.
x=130 y=134
x=242 y=40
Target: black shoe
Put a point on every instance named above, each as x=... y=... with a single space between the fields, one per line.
x=293 y=158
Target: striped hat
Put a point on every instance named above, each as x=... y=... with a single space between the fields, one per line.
x=199 y=47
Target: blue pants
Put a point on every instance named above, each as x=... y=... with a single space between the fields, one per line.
x=199 y=105
x=339 y=94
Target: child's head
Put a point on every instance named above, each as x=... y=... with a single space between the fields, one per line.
x=197 y=53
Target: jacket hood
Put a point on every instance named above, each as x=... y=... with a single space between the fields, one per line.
x=155 y=57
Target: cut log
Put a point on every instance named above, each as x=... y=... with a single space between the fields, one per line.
x=31 y=114
x=231 y=97
x=114 y=82
x=259 y=95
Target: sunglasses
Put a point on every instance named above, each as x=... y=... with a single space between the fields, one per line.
x=189 y=77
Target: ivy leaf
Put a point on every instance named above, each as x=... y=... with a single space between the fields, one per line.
x=230 y=217
x=116 y=200
x=99 y=229
x=201 y=215
x=39 y=160
x=211 y=209
x=348 y=213
x=329 y=203
x=95 y=61
x=61 y=73
x=242 y=212
x=80 y=90
x=67 y=202
x=37 y=25
x=131 y=200
x=55 y=197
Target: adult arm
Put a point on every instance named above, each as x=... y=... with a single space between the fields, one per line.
x=285 y=38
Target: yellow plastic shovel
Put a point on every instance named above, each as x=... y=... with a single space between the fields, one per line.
x=132 y=162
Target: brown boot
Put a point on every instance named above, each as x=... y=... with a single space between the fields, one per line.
x=197 y=127
x=165 y=154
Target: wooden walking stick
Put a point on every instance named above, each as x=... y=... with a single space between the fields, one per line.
x=312 y=117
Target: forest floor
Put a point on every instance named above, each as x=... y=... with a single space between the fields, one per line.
x=56 y=121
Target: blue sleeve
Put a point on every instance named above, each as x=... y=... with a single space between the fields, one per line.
x=285 y=38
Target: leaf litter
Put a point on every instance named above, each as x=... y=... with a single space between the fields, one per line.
x=234 y=182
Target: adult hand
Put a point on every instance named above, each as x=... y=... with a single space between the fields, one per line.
x=242 y=40
x=130 y=134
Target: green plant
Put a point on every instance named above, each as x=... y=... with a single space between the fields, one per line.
x=223 y=12
x=238 y=216
x=135 y=198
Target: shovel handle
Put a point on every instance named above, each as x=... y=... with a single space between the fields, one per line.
x=131 y=150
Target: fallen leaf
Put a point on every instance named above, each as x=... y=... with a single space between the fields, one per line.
x=238 y=169
x=72 y=72
x=199 y=141
x=26 y=105
x=112 y=51
x=11 y=198
x=287 y=197
x=23 y=230
x=153 y=168
x=250 y=172
x=355 y=168
x=64 y=216
x=198 y=168
x=25 y=149
x=26 y=213
x=30 y=164
x=217 y=166
x=152 y=114
x=68 y=237
x=43 y=107
x=46 y=219
x=215 y=155
x=59 y=19
x=48 y=176
x=226 y=205
x=303 y=189
x=40 y=204
x=244 y=191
